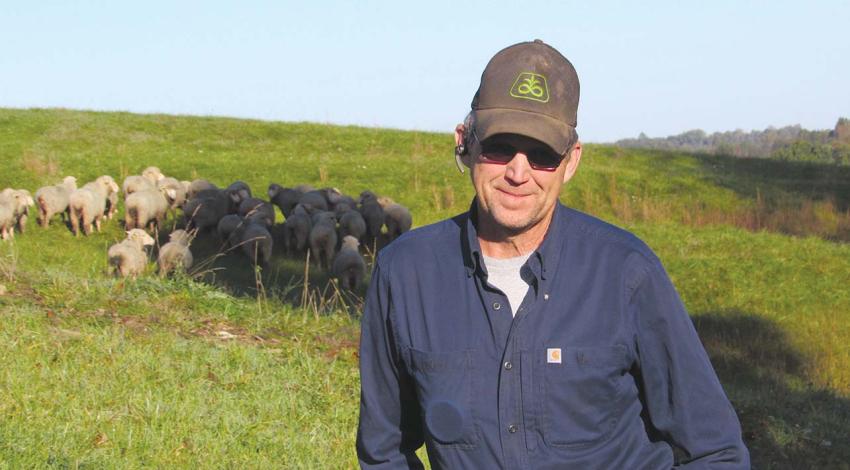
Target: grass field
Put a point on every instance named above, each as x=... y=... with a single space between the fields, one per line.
x=239 y=369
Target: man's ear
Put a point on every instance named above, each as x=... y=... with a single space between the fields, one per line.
x=461 y=148
x=572 y=163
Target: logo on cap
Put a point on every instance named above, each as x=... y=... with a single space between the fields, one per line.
x=530 y=86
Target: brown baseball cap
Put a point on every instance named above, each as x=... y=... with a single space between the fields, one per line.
x=528 y=89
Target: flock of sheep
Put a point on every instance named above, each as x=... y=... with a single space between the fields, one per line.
x=331 y=225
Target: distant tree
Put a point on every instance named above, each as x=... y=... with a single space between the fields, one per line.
x=842 y=130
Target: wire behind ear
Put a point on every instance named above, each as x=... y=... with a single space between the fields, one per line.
x=458 y=161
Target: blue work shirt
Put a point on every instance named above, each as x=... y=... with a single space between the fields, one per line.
x=600 y=367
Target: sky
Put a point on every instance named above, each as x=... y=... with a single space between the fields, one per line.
x=658 y=67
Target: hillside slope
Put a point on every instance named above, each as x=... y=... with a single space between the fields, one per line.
x=155 y=372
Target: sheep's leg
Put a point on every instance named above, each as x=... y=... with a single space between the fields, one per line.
x=97 y=223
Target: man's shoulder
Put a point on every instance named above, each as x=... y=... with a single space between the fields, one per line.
x=600 y=234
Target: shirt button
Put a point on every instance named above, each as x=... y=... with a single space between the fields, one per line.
x=512 y=428
x=545 y=296
x=496 y=305
x=508 y=365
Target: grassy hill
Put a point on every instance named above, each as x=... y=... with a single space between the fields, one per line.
x=243 y=369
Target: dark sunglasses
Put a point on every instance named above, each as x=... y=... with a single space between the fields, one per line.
x=500 y=153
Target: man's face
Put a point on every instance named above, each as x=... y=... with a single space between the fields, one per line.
x=514 y=196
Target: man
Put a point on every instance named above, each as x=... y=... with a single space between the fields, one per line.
x=527 y=335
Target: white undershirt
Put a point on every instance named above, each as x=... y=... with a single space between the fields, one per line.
x=504 y=274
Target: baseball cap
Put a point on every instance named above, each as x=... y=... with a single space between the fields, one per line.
x=528 y=89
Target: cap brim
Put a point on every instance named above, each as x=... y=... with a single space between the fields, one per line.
x=552 y=132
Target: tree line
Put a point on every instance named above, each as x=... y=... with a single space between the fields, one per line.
x=791 y=143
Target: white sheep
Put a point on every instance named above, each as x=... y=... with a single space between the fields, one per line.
x=88 y=205
x=147 y=208
x=179 y=191
x=349 y=266
x=128 y=257
x=7 y=221
x=146 y=181
x=136 y=183
x=20 y=200
x=175 y=254
x=153 y=174
x=52 y=200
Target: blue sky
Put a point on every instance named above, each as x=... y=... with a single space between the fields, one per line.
x=655 y=67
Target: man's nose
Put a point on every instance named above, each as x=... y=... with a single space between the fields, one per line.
x=518 y=171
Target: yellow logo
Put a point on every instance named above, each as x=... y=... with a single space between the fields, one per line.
x=531 y=86
x=553 y=355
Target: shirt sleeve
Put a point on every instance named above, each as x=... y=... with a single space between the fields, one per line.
x=684 y=399
x=390 y=430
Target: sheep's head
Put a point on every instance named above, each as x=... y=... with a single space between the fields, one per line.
x=385 y=202
x=70 y=182
x=140 y=236
x=153 y=174
x=350 y=241
x=108 y=183
x=180 y=236
x=274 y=189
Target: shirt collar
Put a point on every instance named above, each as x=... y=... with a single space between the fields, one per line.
x=544 y=260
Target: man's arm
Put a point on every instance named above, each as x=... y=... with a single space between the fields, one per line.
x=390 y=430
x=685 y=400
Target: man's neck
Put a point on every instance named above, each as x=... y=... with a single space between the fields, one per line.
x=497 y=242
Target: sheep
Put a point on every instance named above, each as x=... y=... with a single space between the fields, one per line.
x=179 y=191
x=296 y=230
x=342 y=208
x=352 y=223
x=87 y=205
x=397 y=218
x=227 y=227
x=323 y=238
x=257 y=210
x=20 y=200
x=238 y=191
x=284 y=198
x=206 y=209
x=256 y=243
x=153 y=174
x=197 y=186
x=314 y=201
x=53 y=200
x=175 y=254
x=147 y=208
x=349 y=266
x=7 y=221
x=128 y=257
x=335 y=198
x=136 y=183
x=372 y=213
x=304 y=188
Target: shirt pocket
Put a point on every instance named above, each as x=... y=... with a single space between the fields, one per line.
x=579 y=396
x=444 y=388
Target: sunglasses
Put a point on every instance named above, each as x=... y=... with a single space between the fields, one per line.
x=498 y=152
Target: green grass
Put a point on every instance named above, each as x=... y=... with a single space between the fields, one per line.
x=104 y=373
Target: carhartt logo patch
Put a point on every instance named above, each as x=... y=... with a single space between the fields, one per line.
x=553 y=355
x=531 y=86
